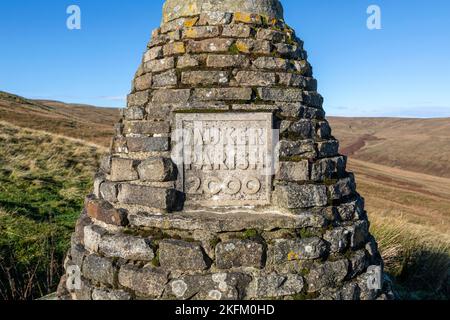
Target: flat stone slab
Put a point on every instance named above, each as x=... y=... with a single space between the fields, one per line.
x=227 y=221
x=174 y=9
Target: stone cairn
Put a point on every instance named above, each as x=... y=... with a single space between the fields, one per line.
x=156 y=229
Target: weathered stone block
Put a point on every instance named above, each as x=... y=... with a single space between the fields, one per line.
x=138 y=99
x=219 y=286
x=270 y=35
x=359 y=233
x=146 y=196
x=148 y=144
x=294 y=196
x=171 y=96
x=214 y=18
x=153 y=54
x=302 y=129
x=328 y=168
x=255 y=78
x=105 y=212
x=123 y=170
x=108 y=191
x=239 y=253
x=296 y=80
x=134 y=113
x=302 y=148
x=253 y=46
x=146 y=282
x=165 y=79
x=359 y=262
x=160 y=65
x=237 y=31
x=143 y=82
x=339 y=239
x=158 y=111
x=250 y=18
x=293 y=171
x=271 y=63
x=99 y=269
x=275 y=286
x=312 y=99
x=280 y=94
x=323 y=130
x=289 y=51
x=204 y=77
x=174 y=48
x=201 y=32
x=188 y=61
x=223 y=94
x=227 y=61
x=210 y=45
x=157 y=170
x=283 y=250
x=126 y=247
x=328 y=148
x=92 y=237
x=343 y=188
x=146 y=128
x=327 y=275
x=183 y=256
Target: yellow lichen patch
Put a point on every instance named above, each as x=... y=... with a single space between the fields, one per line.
x=191 y=33
x=293 y=256
x=177 y=48
x=242 y=47
x=247 y=18
x=189 y=23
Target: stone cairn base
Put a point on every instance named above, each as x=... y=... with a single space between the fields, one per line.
x=135 y=240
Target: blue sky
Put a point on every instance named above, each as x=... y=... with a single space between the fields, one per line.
x=401 y=70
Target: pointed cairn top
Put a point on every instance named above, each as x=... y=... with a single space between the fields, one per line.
x=174 y=9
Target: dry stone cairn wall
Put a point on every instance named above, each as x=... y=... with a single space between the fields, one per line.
x=155 y=229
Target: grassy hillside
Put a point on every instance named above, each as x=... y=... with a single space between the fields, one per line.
x=77 y=121
x=43 y=181
x=419 y=145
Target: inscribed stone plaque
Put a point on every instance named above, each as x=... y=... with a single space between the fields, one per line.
x=224 y=159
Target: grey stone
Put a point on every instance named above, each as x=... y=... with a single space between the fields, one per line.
x=153 y=54
x=296 y=80
x=174 y=48
x=218 y=286
x=271 y=63
x=275 y=286
x=339 y=239
x=108 y=191
x=201 y=32
x=165 y=79
x=171 y=95
x=293 y=171
x=302 y=148
x=204 y=77
x=188 y=61
x=126 y=247
x=134 y=113
x=160 y=65
x=146 y=196
x=312 y=99
x=214 y=18
x=99 y=269
x=253 y=46
x=239 y=253
x=302 y=129
x=294 y=196
x=351 y=210
x=343 y=188
x=145 y=282
x=359 y=234
x=138 y=99
x=327 y=275
x=143 y=82
x=255 y=78
x=226 y=61
x=210 y=45
x=358 y=263
x=229 y=222
x=158 y=111
x=92 y=236
x=223 y=94
x=289 y=51
x=174 y=9
x=105 y=164
x=181 y=255
x=123 y=170
x=280 y=94
x=284 y=250
x=134 y=128
x=157 y=170
x=270 y=35
x=323 y=130
x=237 y=31
x=328 y=168
x=148 y=144
x=328 y=148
